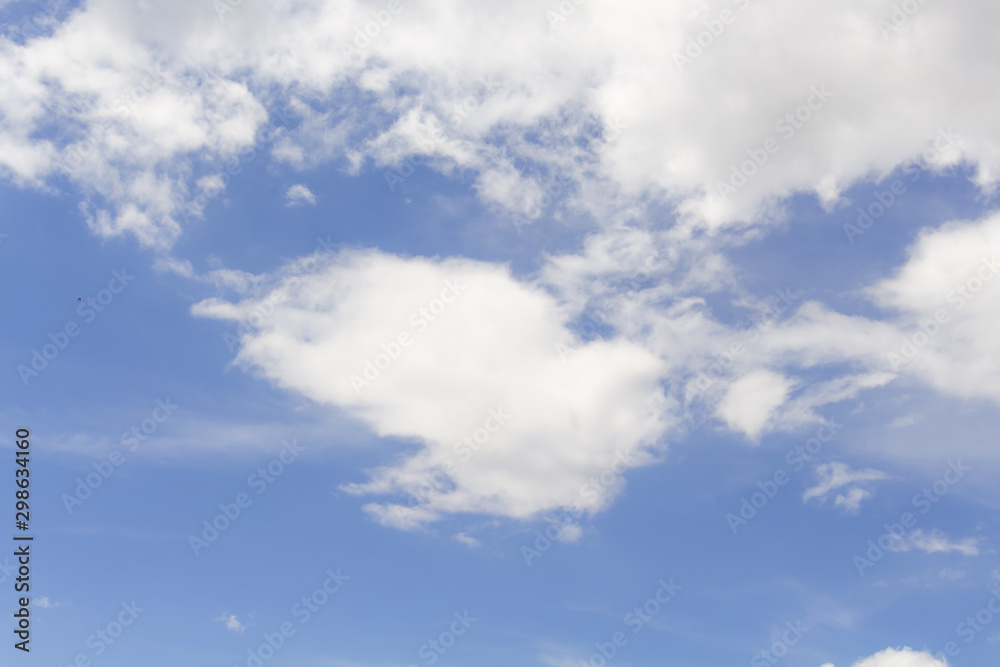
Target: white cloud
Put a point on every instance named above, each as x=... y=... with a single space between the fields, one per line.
x=45 y=603
x=953 y=272
x=833 y=476
x=459 y=357
x=931 y=334
x=751 y=400
x=569 y=533
x=232 y=623
x=906 y=420
x=802 y=408
x=330 y=317
x=298 y=195
x=152 y=105
x=850 y=501
x=901 y=657
x=181 y=267
x=468 y=540
x=936 y=542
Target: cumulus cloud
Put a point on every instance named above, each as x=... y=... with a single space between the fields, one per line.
x=940 y=311
x=605 y=349
x=750 y=401
x=609 y=99
x=179 y=112
x=947 y=299
x=462 y=359
x=299 y=195
x=901 y=657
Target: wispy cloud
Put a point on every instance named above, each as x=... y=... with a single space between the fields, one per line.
x=833 y=476
x=934 y=542
x=850 y=501
x=468 y=541
x=905 y=420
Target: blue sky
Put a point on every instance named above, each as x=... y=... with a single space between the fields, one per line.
x=634 y=364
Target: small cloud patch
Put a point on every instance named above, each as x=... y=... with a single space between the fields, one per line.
x=299 y=195
x=232 y=623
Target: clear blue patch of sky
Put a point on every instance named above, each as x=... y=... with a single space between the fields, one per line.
x=811 y=252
